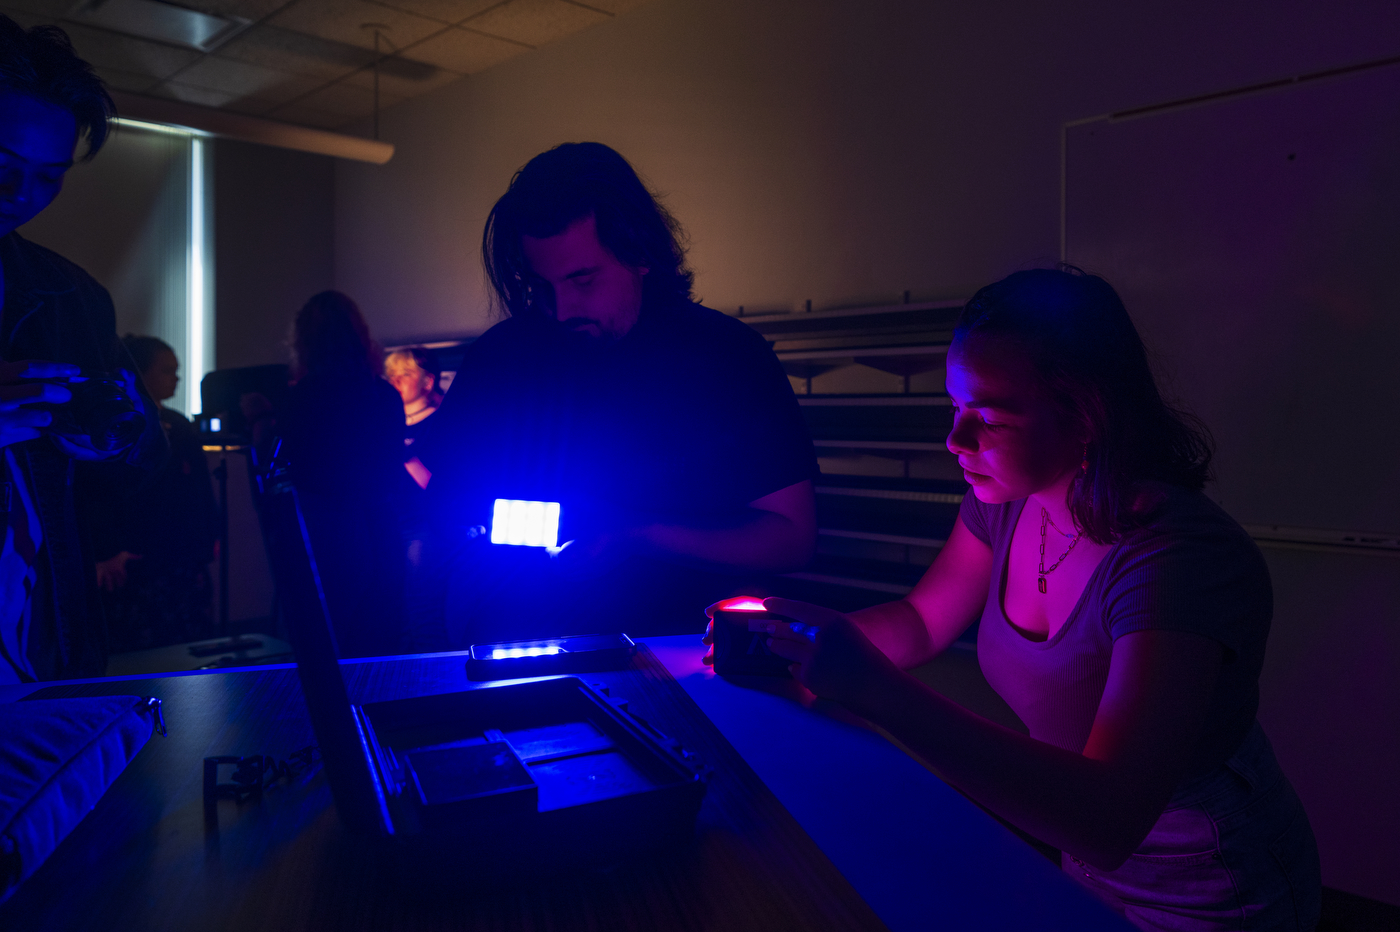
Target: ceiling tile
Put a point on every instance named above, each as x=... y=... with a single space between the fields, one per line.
x=446 y=11
x=246 y=9
x=252 y=106
x=463 y=51
x=348 y=99
x=135 y=56
x=295 y=52
x=243 y=80
x=535 y=22
x=611 y=6
x=117 y=79
x=210 y=97
x=409 y=80
x=309 y=116
x=48 y=11
x=341 y=21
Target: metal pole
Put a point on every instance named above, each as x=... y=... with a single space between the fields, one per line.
x=221 y=473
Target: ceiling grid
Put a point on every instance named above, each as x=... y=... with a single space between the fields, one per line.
x=311 y=62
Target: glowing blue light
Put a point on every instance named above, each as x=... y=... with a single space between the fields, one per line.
x=525 y=524
x=215 y=425
x=510 y=653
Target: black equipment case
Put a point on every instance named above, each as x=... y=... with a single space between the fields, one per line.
x=537 y=773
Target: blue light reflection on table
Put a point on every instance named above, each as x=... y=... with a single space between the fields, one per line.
x=922 y=855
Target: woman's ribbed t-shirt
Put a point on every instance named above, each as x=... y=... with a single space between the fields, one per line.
x=1191 y=568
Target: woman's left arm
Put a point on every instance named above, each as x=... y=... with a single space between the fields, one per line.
x=1098 y=805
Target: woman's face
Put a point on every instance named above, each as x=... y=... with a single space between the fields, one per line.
x=162 y=377
x=1010 y=439
x=412 y=382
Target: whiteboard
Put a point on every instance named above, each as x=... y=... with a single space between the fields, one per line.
x=1255 y=239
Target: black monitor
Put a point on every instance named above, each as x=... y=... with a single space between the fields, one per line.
x=221 y=393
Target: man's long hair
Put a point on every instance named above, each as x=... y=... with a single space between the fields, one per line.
x=41 y=63
x=566 y=184
x=1094 y=366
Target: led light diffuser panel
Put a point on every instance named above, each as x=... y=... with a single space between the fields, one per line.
x=525 y=524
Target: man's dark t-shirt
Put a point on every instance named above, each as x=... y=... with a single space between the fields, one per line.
x=686 y=420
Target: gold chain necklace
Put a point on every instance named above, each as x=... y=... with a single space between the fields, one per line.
x=1044 y=522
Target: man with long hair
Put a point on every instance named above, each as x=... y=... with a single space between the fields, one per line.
x=56 y=323
x=666 y=431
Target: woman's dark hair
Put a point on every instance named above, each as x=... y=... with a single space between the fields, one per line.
x=144 y=350
x=1093 y=363
x=41 y=63
x=330 y=337
x=568 y=183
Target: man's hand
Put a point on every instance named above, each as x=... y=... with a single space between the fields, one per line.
x=592 y=556
x=111 y=574
x=18 y=420
x=840 y=663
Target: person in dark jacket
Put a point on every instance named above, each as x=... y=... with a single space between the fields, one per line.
x=153 y=561
x=57 y=328
x=342 y=431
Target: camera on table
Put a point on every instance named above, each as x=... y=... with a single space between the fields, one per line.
x=101 y=413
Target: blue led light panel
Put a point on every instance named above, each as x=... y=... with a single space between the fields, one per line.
x=525 y=524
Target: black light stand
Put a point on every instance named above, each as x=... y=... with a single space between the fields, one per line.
x=221 y=474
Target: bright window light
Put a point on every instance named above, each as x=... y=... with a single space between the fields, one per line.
x=199 y=353
x=525 y=524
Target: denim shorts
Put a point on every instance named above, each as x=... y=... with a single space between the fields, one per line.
x=1233 y=850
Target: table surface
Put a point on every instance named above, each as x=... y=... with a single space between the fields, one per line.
x=812 y=821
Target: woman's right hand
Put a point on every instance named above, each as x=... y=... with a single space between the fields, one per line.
x=18 y=420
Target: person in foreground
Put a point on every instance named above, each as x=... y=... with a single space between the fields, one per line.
x=1123 y=617
x=57 y=332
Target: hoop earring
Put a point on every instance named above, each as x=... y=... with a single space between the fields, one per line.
x=1084 y=464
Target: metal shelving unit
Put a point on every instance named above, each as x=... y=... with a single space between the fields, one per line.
x=870 y=384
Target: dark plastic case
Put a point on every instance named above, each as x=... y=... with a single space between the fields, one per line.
x=533 y=774
x=741 y=651
x=591 y=653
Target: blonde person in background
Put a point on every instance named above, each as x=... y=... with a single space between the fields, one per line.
x=416 y=374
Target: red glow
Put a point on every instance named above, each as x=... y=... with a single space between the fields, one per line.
x=741 y=603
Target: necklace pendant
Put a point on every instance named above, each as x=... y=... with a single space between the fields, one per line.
x=1040 y=584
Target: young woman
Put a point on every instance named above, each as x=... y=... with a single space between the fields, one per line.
x=156 y=544
x=1123 y=617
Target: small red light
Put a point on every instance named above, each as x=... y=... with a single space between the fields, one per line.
x=742 y=603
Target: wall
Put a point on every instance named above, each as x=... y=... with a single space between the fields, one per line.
x=847 y=152
x=1328 y=701
x=838 y=152
x=273 y=217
